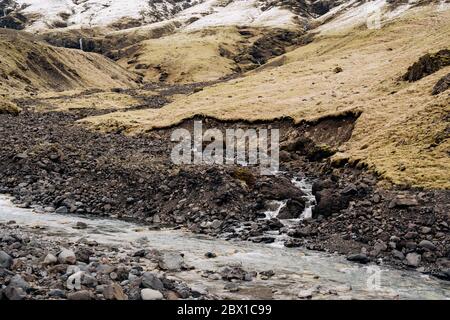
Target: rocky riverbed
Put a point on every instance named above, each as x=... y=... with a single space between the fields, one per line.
x=49 y=162
x=43 y=255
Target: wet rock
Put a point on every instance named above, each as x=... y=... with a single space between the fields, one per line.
x=216 y=224
x=302 y=232
x=88 y=280
x=210 y=255
x=320 y=185
x=14 y=293
x=281 y=189
x=234 y=273
x=171 y=261
x=114 y=292
x=428 y=245
x=413 y=259
x=274 y=224
x=150 y=294
x=198 y=291
x=50 y=259
x=231 y=287
x=293 y=243
x=57 y=293
x=265 y=275
x=67 y=256
x=358 y=257
x=13 y=20
x=151 y=281
x=62 y=210
x=80 y=225
x=18 y=282
x=398 y=255
x=378 y=248
x=443 y=274
x=5 y=260
x=263 y=239
x=83 y=254
x=292 y=210
x=140 y=253
x=306 y=294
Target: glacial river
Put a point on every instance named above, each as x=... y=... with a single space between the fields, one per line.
x=298 y=272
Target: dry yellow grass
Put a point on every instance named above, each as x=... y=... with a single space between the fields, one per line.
x=400 y=123
x=72 y=100
x=8 y=107
x=186 y=57
x=28 y=65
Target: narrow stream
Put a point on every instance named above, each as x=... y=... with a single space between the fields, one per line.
x=298 y=272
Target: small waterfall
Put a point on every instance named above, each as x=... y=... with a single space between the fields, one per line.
x=306 y=187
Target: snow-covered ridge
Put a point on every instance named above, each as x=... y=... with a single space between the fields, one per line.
x=373 y=13
x=49 y=14
x=92 y=13
x=198 y=14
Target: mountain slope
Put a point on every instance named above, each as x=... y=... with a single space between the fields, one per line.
x=399 y=133
x=28 y=65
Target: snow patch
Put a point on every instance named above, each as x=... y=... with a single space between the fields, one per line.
x=238 y=12
x=354 y=14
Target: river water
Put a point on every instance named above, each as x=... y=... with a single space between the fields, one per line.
x=298 y=272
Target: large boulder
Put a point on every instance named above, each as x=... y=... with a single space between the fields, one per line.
x=281 y=189
x=330 y=201
x=292 y=210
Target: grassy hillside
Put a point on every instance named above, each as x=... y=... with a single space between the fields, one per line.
x=402 y=132
x=30 y=66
